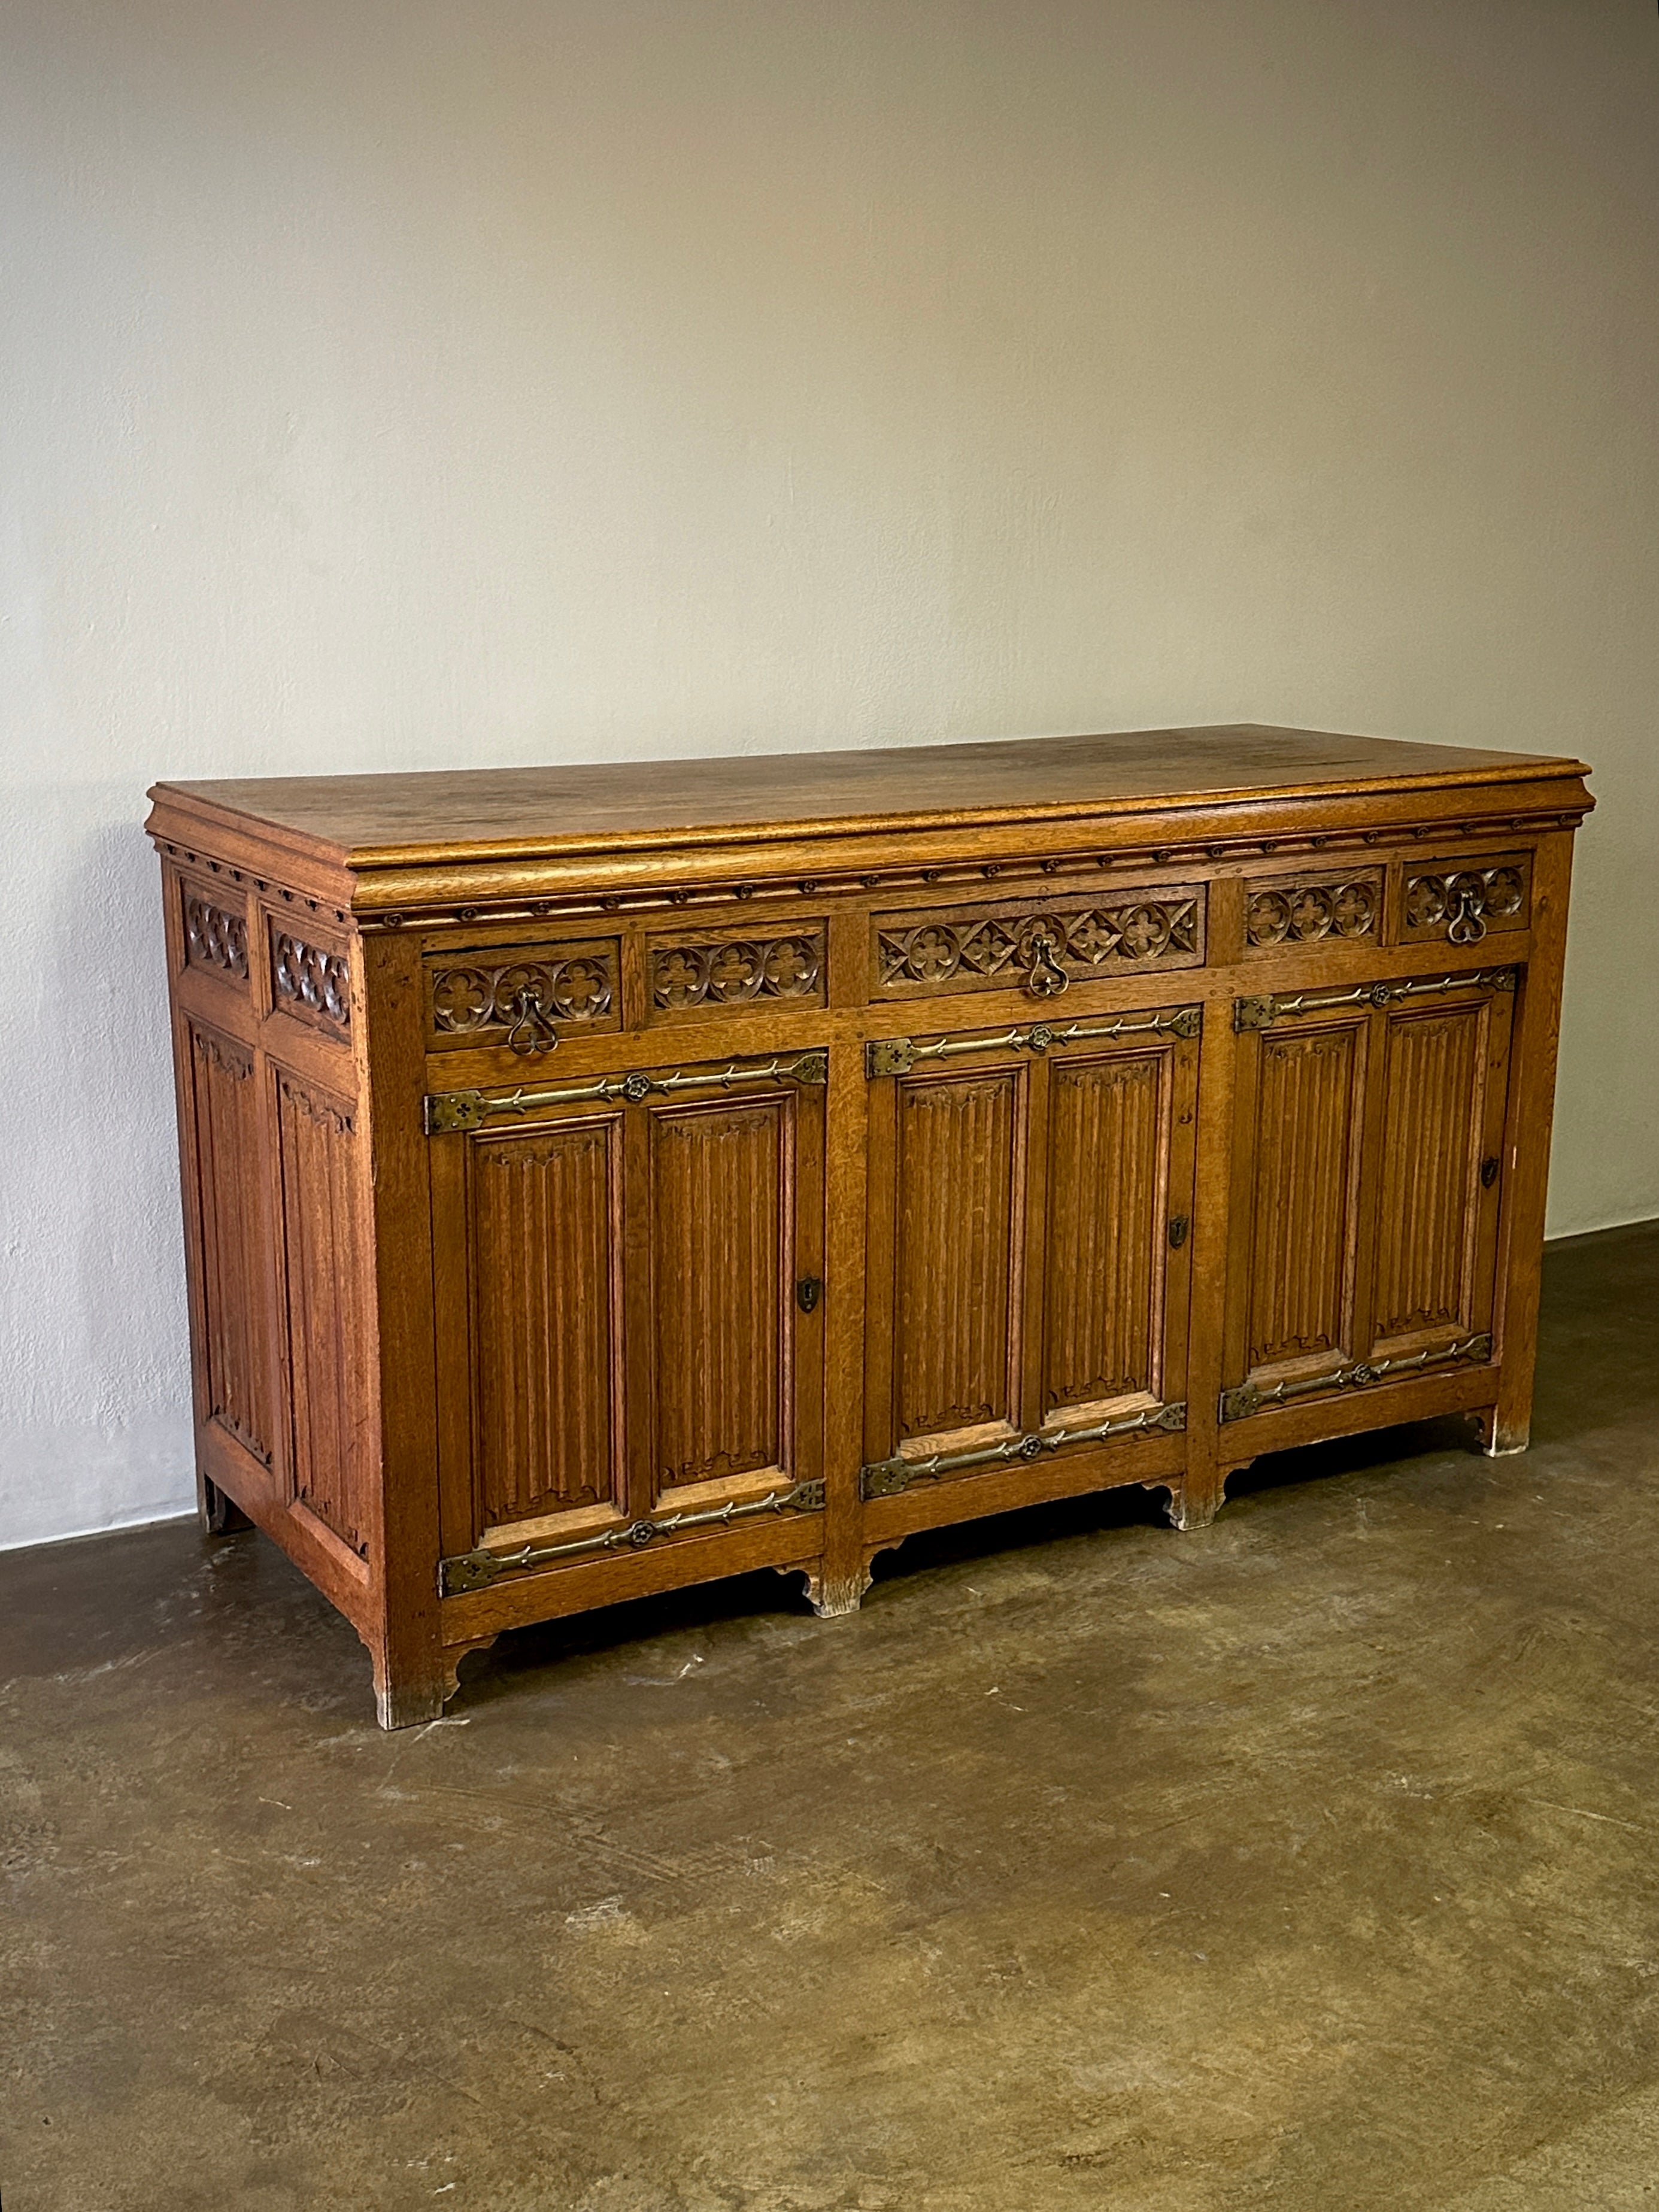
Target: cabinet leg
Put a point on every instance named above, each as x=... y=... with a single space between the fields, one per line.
x=1196 y=1497
x=1500 y=1438
x=219 y=1513
x=833 y=1597
x=404 y=1701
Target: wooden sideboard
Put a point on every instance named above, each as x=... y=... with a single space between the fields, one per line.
x=598 y=1180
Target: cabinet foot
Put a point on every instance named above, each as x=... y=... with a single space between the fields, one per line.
x=1500 y=1439
x=833 y=1597
x=218 y=1512
x=401 y=1705
x=1194 y=1504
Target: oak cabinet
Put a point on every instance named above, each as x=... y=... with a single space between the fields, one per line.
x=601 y=1180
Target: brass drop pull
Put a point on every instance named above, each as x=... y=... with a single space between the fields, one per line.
x=1178 y=1228
x=1467 y=925
x=808 y=1292
x=1044 y=976
x=1489 y=1168
x=532 y=1030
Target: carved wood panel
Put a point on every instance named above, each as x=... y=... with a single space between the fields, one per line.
x=705 y=973
x=235 y=1267
x=1434 y=1116
x=1303 y=1191
x=1338 y=906
x=1038 y=946
x=721 y=1244
x=525 y=996
x=547 y=1323
x=958 y=1219
x=1107 y=1172
x=311 y=979
x=216 y=937
x=333 y=1439
x=1461 y=901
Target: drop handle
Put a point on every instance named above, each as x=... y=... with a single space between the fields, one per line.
x=808 y=1292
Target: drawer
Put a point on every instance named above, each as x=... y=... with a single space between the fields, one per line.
x=523 y=996
x=1334 y=906
x=1460 y=901
x=1038 y=946
x=693 y=972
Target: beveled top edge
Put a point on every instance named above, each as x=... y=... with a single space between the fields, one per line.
x=484 y=815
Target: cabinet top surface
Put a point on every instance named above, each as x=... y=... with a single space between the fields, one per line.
x=404 y=816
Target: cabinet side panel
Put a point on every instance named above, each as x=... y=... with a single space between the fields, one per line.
x=545 y=1235
x=957 y=1204
x=1306 y=1153
x=236 y=1272
x=1431 y=1130
x=333 y=1408
x=1108 y=1159
x=722 y=1239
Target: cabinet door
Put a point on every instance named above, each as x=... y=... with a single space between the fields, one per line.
x=621 y=1334
x=1443 y=1078
x=1028 y=1243
x=1369 y=1136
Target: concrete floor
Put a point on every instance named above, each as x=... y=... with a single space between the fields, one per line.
x=1311 y=1861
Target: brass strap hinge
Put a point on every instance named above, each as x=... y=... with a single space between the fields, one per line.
x=1262 y=1013
x=886 y=1477
x=446 y=1111
x=898 y=1055
x=476 y=1571
x=1250 y=1398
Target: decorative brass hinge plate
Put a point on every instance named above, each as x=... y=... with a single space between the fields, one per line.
x=898 y=1055
x=1262 y=1013
x=446 y=1111
x=1250 y=1398
x=476 y=1571
x=886 y=1477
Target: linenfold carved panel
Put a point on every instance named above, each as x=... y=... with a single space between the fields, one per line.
x=1035 y=946
x=721 y=1239
x=713 y=975
x=547 y=1285
x=1308 y=1100
x=214 y=938
x=1433 y=1101
x=957 y=1231
x=1109 y=1137
x=523 y=996
x=1463 y=902
x=310 y=979
x=235 y=1271
x=334 y=1440
x=1342 y=907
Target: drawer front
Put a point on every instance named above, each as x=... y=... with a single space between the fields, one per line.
x=695 y=972
x=1038 y=946
x=524 y=996
x=1460 y=901
x=1332 y=906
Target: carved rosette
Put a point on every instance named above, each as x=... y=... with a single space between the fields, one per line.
x=733 y=972
x=312 y=977
x=1040 y=952
x=214 y=939
x=1298 y=911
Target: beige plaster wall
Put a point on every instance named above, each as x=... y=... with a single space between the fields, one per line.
x=385 y=383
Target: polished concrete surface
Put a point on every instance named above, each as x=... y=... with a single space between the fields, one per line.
x=1309 y=1862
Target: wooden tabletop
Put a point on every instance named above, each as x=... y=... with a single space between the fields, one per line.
x=402 y=818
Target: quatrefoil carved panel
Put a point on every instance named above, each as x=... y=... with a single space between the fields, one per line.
x=1290 y=910
x=1037 y=950
x=484 y=998
x=690 y=975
